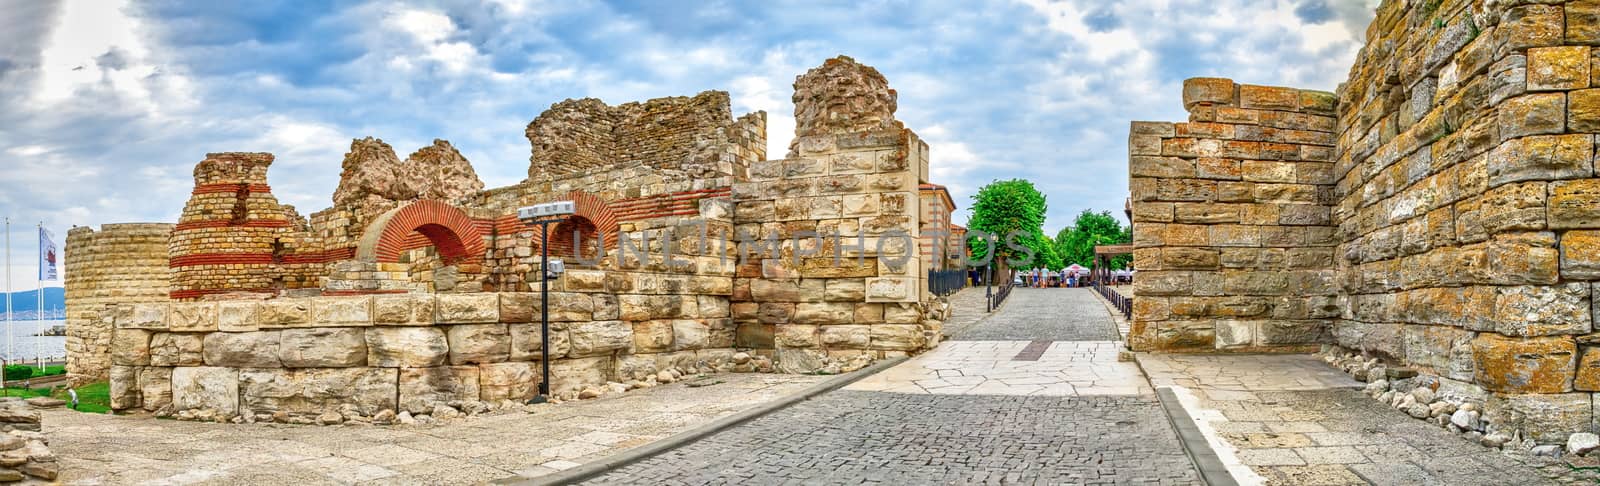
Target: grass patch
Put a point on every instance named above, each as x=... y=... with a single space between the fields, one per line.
x=92 y=398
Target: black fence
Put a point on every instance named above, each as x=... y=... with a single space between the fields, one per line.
x=946 y=282
x=1124 y=304
x=1000 y=293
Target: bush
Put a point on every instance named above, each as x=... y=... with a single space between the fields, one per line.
x=18 y=372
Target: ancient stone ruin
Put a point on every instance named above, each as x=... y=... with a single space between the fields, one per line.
x=1438 y=216
x=688 y=252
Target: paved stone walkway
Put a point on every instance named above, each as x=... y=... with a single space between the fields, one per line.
x=852 y=437
x=1066 y=368
x=967 y=307
x=1292 y=419
x=1045 y=314
x=1030 y=394
x=106 y=449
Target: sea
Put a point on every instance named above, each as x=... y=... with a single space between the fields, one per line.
x=24 y=345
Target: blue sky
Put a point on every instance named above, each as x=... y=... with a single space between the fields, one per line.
x=104 y=110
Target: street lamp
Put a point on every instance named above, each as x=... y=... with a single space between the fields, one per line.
x=543 y=215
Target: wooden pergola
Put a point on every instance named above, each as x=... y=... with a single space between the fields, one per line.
x=1102 y=259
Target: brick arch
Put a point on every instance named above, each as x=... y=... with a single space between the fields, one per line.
x=450 y=230
x=593 y=209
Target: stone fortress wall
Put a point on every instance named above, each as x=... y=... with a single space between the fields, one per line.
x=414 y=289
x=120 y=264
x=1467 y=209
x=1233 y=236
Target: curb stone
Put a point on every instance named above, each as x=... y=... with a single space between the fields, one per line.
x=1195 y=445
x=606 y=464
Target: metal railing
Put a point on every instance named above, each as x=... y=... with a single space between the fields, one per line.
x=946 y=282
x=1000 y=293
x=1124 y=304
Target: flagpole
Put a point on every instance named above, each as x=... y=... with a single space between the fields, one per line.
x=7 y=358
x=39 y=289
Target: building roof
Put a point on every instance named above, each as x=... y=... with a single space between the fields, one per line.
x=950 y=203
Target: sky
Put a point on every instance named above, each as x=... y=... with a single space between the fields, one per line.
x=105 y=106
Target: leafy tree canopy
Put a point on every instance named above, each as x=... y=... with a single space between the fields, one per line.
x=1076 y=244
x=1005 y=208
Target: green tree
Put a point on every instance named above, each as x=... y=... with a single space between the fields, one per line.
x=1076 y=243
x=1011 y=213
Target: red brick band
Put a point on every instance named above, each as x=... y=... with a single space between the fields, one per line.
x=223 y=223
x=231 y=188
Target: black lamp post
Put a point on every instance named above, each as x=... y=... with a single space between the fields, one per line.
x=543 y=215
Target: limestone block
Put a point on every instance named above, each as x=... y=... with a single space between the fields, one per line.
x=568 y=376
x=415 y=347
x=130 y=347
x=124 y=387
x=1543 y=310
x=341 y=311
x=845 y=290
x=192 y=317
x=798 y=360
x=711 y=306
x=600 y=337
x=1580 y=255
x=155 y=387
x=1278 y=331
x=1446 y=350
x=1546 y=418
x=478 y=343
x=322 y=347
x=796 y=336
x=1558 y=68
x=1207 y=92
x=636 y=367
x=755 y=335
x=478 y=308
x=1532 y=114
x=775 y=312
x=404 y=309
x=1583 y=110
x=1575 y=204
x=902 y=313
x=423 y=388
x=1524 y=365
x=1232 y=334
x=238 y=316
x=606 y=307
x=257 y=349
x=1205 y=213
x=176 y=349
x=1520 y=206
x=143 y=316
x=526 y=341
x=284 y=312
x=1543 y=157
x=313 y=391
x=1587 y=377
x=765 y=290
x=1183 y=258
x=891 y=289
x=1160 y=167
x=652 y=336
x=897 y=337
x=690 y=334
x=851 y=337
x=824 y=313
x=206 y=387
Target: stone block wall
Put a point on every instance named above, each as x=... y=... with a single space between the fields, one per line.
x=1233 y=233
x=406 y=352
x=841 y=277
x=1468 y=205
x=120 y=264
x=697 y=136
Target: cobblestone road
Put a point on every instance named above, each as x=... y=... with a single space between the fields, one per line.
x=1044 y=314
x=848 y=437
x=994 y=406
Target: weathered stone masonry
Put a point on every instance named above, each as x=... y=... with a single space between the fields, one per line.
x=414 y=289
x=1467 y=207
